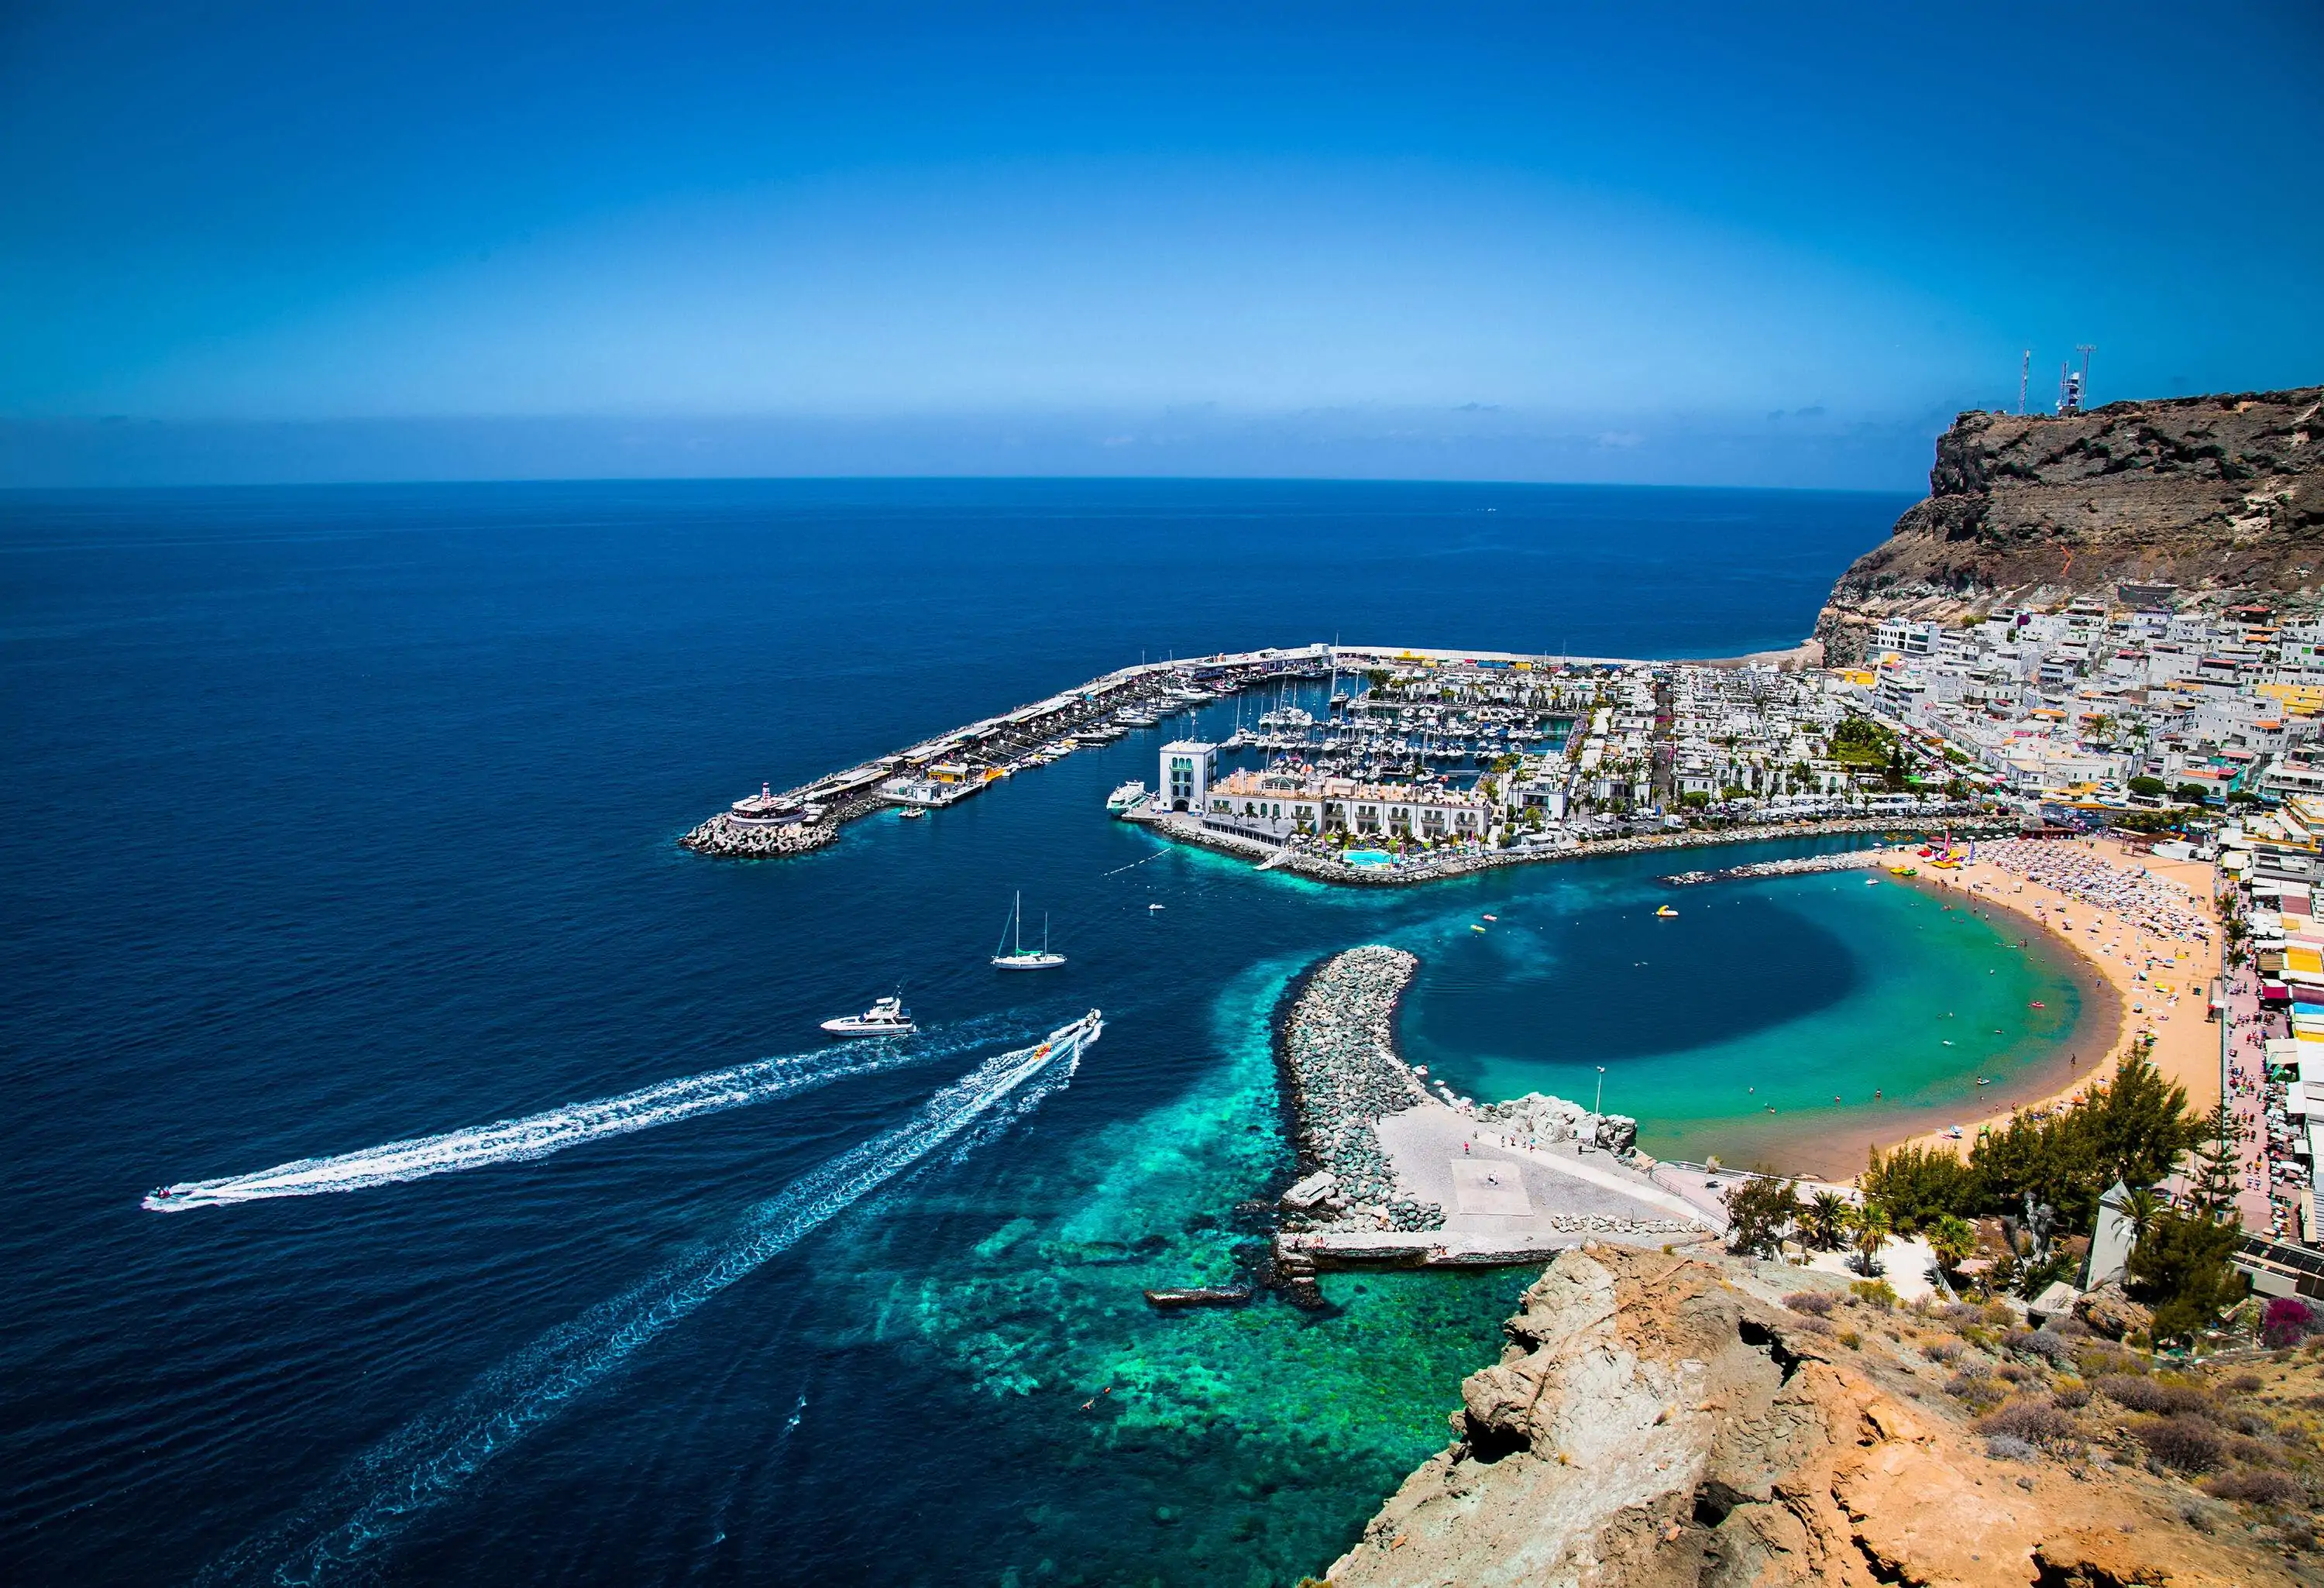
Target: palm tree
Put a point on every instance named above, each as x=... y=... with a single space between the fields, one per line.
x=2141 y=1208
x=1827 y=1221
x=1951 y=1238
x=1872 y=1224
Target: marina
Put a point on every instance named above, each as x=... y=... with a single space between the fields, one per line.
x=1413 y=764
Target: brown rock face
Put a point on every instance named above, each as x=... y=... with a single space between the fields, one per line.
x=2201 y=492
x=1657 y=1421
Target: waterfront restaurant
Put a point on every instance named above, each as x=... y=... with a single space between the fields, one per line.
x=1276 y=804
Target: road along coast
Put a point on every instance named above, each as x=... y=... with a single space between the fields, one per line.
x=1394 y=1175
x=2147 y=947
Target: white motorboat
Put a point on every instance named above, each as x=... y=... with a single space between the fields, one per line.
x=887 y=1017
x=1018 y=957
x=1124 y=797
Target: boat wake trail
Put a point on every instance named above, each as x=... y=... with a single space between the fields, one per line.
x=427 y=1462
x=538 y=1135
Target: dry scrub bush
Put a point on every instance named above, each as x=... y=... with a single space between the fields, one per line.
x=2190 y=1444
x=2033 y=1420
x=2256 y=1488
x=2154 y=1396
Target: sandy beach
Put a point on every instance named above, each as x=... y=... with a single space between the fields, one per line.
x=2117 y=945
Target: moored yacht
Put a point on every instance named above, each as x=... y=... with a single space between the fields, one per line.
x=1018 y=957
x=887 y=1017
x=1124 y=797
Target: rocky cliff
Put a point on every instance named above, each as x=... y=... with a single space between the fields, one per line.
x=1665 y=1420
x=2206 y=492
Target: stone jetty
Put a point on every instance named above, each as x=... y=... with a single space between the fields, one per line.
x=959 y=763
x=728 y=838
x=1854 y=860
x=1339 y=1053
x=1398 y=1171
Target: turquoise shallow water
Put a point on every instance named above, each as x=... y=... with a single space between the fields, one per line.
x=342 y=816
x=1756 y=1024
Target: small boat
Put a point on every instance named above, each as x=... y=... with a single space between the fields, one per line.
x=887 y=1017
x=1665 y=912
x=911 y=813
x=1151 y=908
x=1475 y=928
x=1872 y=881
x=2037 y=1004
x=1985 y=1080
x=1492 y=918
x=1018 y=957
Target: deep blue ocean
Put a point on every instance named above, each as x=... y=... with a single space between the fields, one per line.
x=335 y=817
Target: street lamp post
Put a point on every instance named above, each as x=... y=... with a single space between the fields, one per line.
x=1597 y=1106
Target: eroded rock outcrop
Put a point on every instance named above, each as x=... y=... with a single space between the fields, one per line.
x=1661 y=1420
x=2206 y=493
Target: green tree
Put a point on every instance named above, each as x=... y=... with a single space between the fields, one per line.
x=2219 y=1166
x=2183 y=1270
x=1868 y=1229
x=1823 y=1222
x=2131 y=1129
x=2148 y=788
x=1760 y=1212
x=1918 y=1183
x=1951 y=1239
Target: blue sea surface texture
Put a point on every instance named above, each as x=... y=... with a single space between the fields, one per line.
x=345 y=818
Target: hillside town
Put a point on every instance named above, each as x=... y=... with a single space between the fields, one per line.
x=2140 y=713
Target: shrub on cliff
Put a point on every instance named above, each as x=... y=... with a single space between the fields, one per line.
x=2189 y=1444
x=2285 y=1322
x=2035 y=1421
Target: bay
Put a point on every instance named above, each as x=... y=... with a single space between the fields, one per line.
x=338 y=816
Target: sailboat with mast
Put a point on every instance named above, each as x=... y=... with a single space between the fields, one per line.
x=1018 y=957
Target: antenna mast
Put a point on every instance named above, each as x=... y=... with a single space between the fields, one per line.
x=2085 y=350
x=2024 y=372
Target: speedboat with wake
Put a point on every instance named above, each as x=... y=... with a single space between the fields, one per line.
x=887 y=1017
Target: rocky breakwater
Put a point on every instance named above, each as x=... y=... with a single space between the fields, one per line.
x=1539 y=1119
x=727 y=837
x=2223 y=493
x=1340 y=1063
x=1661 y=1420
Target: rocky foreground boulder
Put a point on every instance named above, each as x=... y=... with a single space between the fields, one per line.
x=1659 y=1419
x=2206 y=493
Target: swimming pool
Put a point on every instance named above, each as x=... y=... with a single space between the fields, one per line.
x=1368 y=857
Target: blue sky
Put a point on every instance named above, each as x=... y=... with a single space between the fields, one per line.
x=1569 y=242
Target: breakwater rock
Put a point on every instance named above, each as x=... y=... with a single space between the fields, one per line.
x=725 y=838
x=1340 y=1061
x=1550 y=1119
x=1657 y=1420
x=1806 y=865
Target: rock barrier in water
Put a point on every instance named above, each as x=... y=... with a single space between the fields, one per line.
x=1339 y=1052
